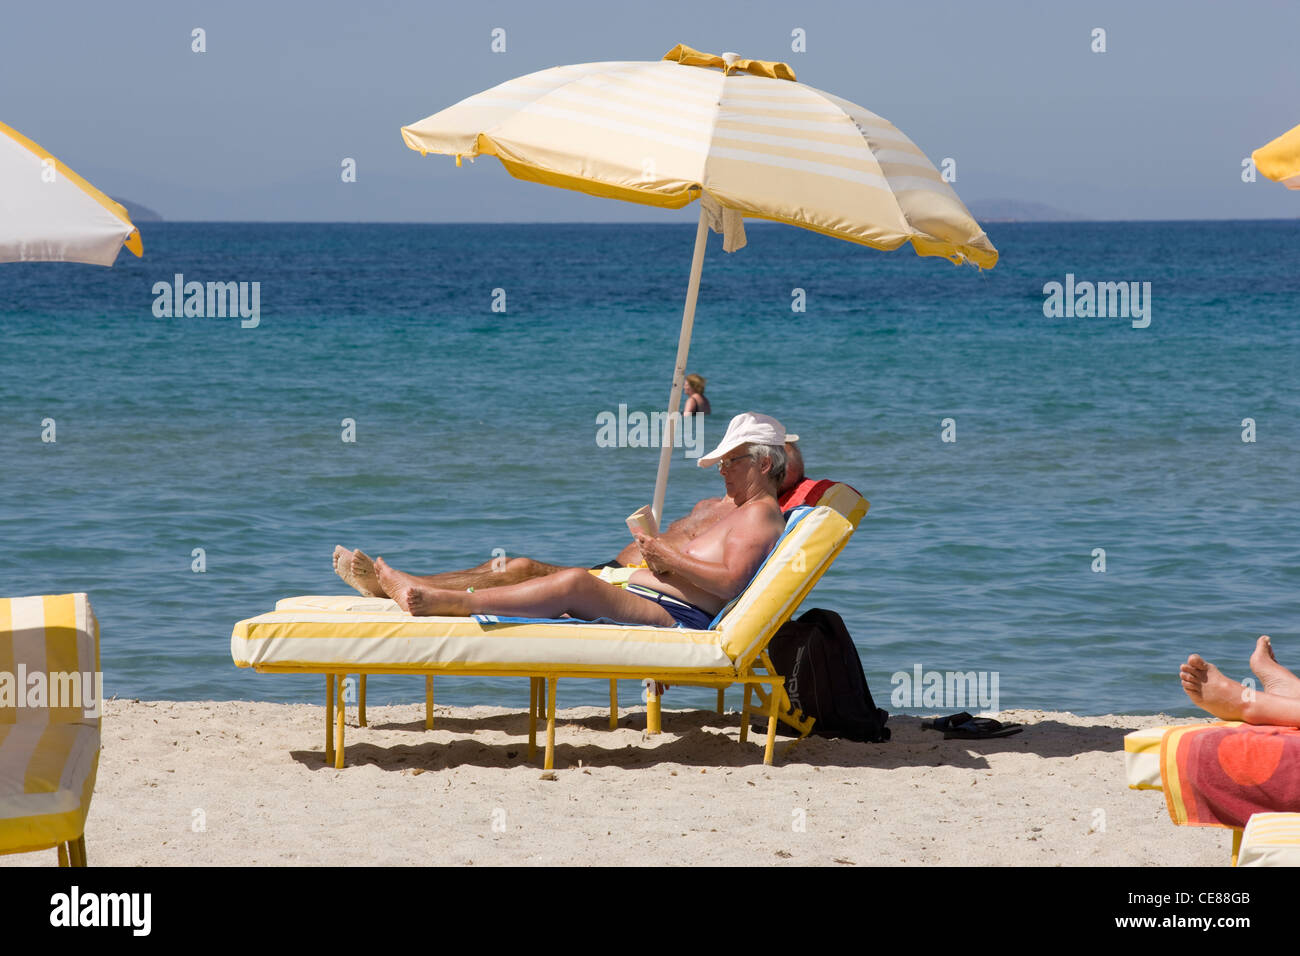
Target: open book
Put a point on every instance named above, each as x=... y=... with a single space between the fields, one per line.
x=643 y=518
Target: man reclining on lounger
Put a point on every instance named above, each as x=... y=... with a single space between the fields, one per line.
x=686 y=586
x=1278 y=704
x=358 y=570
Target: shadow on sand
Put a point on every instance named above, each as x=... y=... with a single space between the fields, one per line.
x=694 y=738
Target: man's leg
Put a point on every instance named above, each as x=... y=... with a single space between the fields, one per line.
x=1223 y=697
x=512 y=571
x=1275 y=678
x=358 y=570
x=571 y=591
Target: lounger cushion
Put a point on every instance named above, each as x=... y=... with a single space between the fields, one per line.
x=1270 y=839
x=790 y=573
x=1142 y=754
x=339 y=603
x=47 y=634
x=1142 y=758
x=393 y=641
x=47 y=776
x=48 y=755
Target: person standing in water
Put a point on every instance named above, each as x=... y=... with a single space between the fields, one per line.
x=696 y=403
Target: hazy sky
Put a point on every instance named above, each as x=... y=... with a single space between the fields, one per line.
x=256 y=127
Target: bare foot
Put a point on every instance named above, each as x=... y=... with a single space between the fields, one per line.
x=416 y=598
x=1210 y=690
x=356 y=568
x=1275 y=678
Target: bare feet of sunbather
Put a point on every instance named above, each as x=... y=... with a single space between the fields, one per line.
x=1275 y=678
x=1210 y=690
x=356 y=568
x=415 y=597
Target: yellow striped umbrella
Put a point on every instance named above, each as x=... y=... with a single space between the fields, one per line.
x=50 y=214
x=1280 y=159
x=743 y=136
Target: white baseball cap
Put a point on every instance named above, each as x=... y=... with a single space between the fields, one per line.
x=745 y=428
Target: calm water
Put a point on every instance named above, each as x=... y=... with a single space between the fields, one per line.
x=476 y=430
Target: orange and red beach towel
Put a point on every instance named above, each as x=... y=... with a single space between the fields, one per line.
x=1218 y=775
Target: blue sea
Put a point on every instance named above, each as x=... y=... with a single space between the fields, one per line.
x=475 y=430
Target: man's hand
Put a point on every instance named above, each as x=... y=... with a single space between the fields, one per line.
x=655 y=553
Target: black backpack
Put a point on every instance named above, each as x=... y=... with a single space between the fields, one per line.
x=824 y=677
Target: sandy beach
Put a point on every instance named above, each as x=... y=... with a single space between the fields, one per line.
x=244 y=783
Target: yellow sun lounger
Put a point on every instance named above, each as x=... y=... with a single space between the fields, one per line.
x=340 y=636
x=49 y=649
x=1270 y=839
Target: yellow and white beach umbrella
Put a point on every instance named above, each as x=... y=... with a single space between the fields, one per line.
x=743 y=136
x=50 y=214
x=1280 y=159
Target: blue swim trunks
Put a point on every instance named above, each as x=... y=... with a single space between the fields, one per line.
x=685 y=614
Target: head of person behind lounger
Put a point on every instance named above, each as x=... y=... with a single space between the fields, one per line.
x=794 y=473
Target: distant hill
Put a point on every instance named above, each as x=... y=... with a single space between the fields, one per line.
x=139 y=213
x=1019 y=210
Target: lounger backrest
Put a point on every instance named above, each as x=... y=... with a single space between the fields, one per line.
x=800 y=559
x=792 y=519
x=54 y=636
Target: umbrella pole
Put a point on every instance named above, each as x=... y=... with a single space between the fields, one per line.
x=679 y=373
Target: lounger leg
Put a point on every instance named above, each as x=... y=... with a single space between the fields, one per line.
x=533 y=687
x=550 y=724
x=613 y=704
x=654 y=720
x=340 y=711
x=361 y=701
x=744 y=715
x=722 y=699
x=1236 y=845
x=63 y=854
x=329 y=719
x=428 y=702
x=77 y=851
x=771 y=728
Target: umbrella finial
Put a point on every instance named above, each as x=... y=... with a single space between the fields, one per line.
x=729 y=63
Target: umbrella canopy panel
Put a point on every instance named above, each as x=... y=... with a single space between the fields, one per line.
x=50 y=214
x=662 y=133
x=1280 y=159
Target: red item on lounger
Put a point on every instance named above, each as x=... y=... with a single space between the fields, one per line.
x=807 y=492
x=1218 y=775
